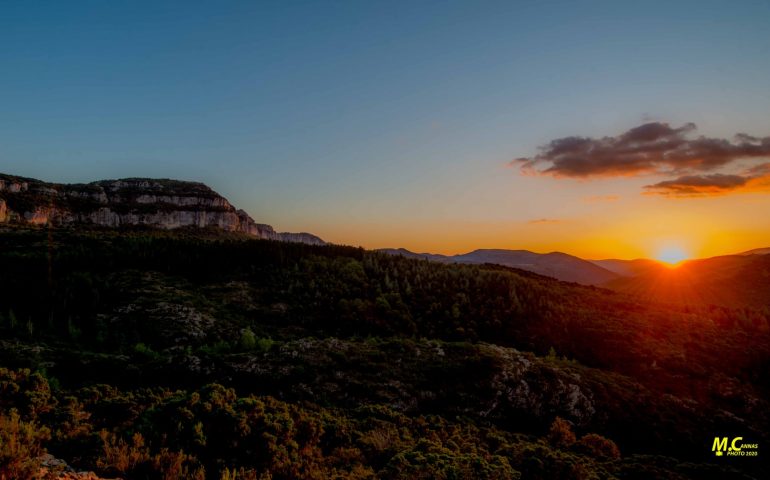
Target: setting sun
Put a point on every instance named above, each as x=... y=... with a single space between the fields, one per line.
x=672 y=255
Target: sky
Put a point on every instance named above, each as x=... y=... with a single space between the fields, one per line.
x=602 y=129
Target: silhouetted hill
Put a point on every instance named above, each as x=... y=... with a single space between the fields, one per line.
x=629 y=268
x=757 y=251
x=731 y=280
x=558 y=265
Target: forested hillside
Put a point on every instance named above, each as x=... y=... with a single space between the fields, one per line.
x=201 y=354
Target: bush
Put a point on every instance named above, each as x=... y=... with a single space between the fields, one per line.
x=599 y=446
x=248 y=340
x=20 y=445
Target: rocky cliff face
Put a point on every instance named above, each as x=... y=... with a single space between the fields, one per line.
x=133 y=201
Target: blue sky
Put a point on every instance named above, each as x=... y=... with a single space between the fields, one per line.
x=374 y=123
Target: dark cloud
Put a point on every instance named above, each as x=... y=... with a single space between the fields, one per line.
x=699 y=185
x=752 y=179
x=652 y=148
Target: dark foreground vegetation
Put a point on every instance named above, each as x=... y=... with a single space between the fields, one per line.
x=194 y=354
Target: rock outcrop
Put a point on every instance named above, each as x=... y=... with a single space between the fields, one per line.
x=159 y=203
x=52 y=468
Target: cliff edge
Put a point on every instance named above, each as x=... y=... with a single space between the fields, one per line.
x=159 y=203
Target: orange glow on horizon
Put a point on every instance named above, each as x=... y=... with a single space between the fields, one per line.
x=669 y=238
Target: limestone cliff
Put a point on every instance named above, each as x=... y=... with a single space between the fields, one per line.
x=159 y=203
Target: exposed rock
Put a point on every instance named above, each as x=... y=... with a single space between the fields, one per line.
x=159 y=203
x=54 y=468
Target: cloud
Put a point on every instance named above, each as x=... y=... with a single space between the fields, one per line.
x=760 y=170
x=539 y=221
x=651 y=148
x=754 y=179
x=698 y=185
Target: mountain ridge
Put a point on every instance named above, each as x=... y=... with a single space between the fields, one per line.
x=559 y=265
x=161 y=203
x=628 y=268
x=756 y=251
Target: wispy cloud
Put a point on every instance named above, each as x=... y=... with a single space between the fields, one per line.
x=761 y=170
x=655 y=148
x=698 y=185
x=714 y=185
x=540 y=221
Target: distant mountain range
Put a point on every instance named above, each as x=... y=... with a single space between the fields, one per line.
x=555 y=264
x=742 y=279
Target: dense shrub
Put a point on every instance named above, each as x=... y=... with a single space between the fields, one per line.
x=599 y=446
x=20 y=444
